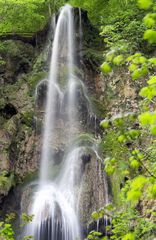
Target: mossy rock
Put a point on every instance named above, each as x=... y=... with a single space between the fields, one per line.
x=18 y=58
x=11 y=125
x=7 y=180
x=8 y=92
x=27 y=118
x=94 y=57
x=84 y=139
x=98 y=108
x=34 y=78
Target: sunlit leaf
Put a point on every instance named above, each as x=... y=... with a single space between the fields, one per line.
x=152 y=80
x=106 y=68
x=150 y=36
x=145 y=4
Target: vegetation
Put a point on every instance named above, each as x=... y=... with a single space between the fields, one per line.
x=6 y=226
x=133 y=158
x=36 y=11
x=128 y=29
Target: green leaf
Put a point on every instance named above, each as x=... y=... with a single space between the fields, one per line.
x=105 y=123
x=149 y=20
x=145 y=118
x=145 y=4
x=129 y=236
x=133 y=133
x=118 y=122
x=153 y=191
x=110 y=56
x=142 y=60
x=144 y=92
x=138 y=54
x=109 y=207
x=148 y=92
x=136 y=74
x=109 y=169
x=106 y=68
x=132 y=67
x=95 y=215
x=153 y=130
x=118 y=60
x=134 y=164
x=150 y=36
x=152 y=60
x=138 y=182
x=130 y=58
x=122 y=138
x=152 y=80
x=133 y=196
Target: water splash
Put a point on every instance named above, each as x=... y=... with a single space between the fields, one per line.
x=54 y=218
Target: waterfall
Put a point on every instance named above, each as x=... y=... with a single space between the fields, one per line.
x=55 y=202
x=54 y=205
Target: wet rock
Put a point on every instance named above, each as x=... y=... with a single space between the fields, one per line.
x=93 y=194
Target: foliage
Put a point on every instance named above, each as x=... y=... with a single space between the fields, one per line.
x=7 y=180
x=6 y=226
x=129 y=141
x=36 y=11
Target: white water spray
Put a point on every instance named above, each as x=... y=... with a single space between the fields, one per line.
x=54 y=205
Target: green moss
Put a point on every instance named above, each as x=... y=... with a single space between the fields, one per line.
x=8 y=92
x=11 y=125
x=84 y=139
x=7 y=180
x=34 y=78
x=2 y=102
x=9 y=46
x=93 y=56
x=98 y=108
x=27 y=118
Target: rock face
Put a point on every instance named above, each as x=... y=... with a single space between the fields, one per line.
x=23 y=67
x=17 y=132
x=94 y=192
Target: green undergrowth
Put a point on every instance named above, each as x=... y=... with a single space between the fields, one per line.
x=112 y=149
x=33 y=11
x=7 y=180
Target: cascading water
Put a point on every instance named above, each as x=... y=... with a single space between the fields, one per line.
x=54 y=205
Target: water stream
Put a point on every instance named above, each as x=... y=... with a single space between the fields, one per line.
x=54 y=204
